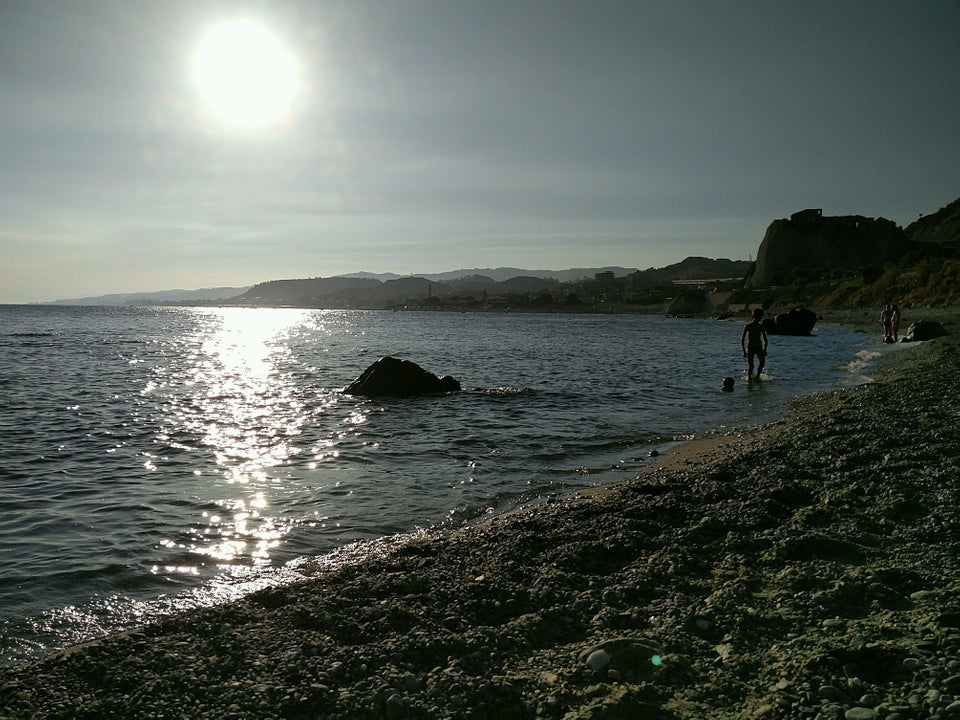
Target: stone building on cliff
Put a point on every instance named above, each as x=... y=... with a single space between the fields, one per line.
x=809 y=243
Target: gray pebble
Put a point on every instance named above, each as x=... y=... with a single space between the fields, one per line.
x=829 y=692
x=410 y=682
x=395 y=707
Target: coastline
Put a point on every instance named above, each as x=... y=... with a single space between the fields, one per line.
x=806 y=568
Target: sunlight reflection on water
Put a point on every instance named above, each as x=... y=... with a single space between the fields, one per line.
x=246 y=410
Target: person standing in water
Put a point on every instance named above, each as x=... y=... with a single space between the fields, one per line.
x=753 y=341
x=895 y=323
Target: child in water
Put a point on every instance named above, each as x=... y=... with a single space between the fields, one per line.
x=753 y=341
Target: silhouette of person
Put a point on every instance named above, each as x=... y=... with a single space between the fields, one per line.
x=753 y=342
x=886 y=319
x=895 y=323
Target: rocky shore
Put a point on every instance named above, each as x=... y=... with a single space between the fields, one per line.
x=806 y=569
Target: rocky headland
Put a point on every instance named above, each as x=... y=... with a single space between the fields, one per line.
x=815 y=242
x=809 y=568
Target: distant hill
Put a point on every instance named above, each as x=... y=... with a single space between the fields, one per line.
x=156 y=298
x=697 y=268
x=504 y=273
x=302 y=292
x=483 y=287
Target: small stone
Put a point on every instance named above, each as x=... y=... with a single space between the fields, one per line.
x=395 y=707
x=953 y=708
x=598 y=660
x=451 y=622
x=858 y=642
x=832 y=623
x=410 y=682
x=548 y=678
x=911 y=663
x=860 y=713
x=829 y=692
x=870 y=700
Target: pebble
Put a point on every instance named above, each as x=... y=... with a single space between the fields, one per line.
x=395 y=707
x=860 y=713
x=598 y=659
x=829 y=692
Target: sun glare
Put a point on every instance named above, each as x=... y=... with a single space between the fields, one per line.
x=245 y=74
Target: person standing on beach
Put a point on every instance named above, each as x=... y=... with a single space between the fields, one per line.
x=886 y=319
x=895 y=323
x=753 y=342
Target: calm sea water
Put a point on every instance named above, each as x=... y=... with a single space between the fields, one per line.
x=154 y=459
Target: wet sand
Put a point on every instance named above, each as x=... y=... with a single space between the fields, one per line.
x=809 y=568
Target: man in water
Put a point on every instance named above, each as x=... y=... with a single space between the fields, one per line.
x=753 y=341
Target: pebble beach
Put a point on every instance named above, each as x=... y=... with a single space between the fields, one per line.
x=808 y=568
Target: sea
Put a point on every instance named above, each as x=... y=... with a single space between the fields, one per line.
x=157 y=459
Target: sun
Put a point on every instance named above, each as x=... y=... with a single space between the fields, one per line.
x=244 y=73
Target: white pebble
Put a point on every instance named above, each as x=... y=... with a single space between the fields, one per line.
x=598 y=660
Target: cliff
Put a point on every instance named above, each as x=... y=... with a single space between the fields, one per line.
x=940 y=228
x=810 y=243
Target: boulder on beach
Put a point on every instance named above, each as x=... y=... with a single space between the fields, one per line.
x=799 y=321
x=690 y=302
x=924 y=330
x=392 y=377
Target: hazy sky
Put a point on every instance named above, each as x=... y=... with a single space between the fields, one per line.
x=429 y=135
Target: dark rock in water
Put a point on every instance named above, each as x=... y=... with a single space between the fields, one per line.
x=391 y=377
x=728 y=384
x=798 y=321
x=924 y=330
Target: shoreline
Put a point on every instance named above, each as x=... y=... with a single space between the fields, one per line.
x=804 y=568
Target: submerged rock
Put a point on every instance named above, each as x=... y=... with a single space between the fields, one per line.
x=391 y=377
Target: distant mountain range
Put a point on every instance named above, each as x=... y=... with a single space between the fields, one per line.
x=364 y=289
x=157 y=298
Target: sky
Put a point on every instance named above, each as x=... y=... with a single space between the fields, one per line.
x=158 y=144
